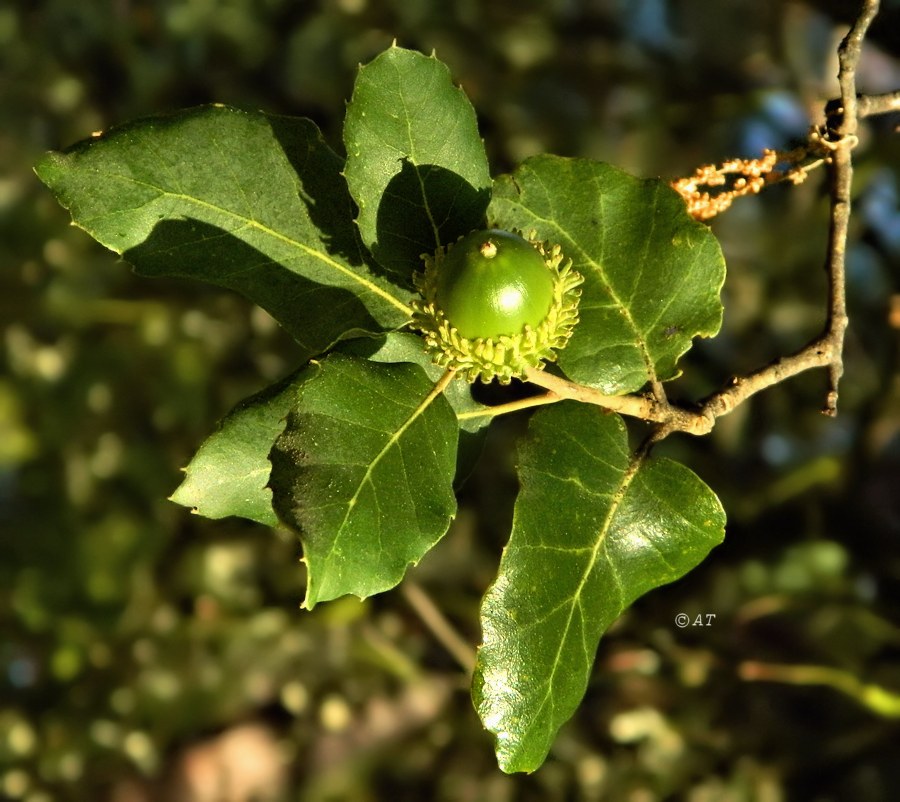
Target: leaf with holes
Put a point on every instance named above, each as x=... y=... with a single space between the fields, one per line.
x=594 y=528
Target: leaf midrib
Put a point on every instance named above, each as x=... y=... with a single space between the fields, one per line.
x=259 y=226
x=620 y=493
x=392 y=441
x=411 y=148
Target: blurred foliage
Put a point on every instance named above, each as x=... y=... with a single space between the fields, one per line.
x=135 y=637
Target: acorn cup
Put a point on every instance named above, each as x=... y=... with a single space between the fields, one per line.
x=495 y=304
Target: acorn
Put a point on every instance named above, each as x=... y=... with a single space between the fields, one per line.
x=495 y=304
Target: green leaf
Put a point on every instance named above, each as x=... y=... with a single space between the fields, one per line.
x=403 y=346
x=473 y=417
x=652 y=273
x=244 y=200
x=364 y=473
x=229 y=474
x=416 y=166
x=594 y=528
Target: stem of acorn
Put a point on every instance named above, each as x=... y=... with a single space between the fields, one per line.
x=440 y=385
x=511 y=406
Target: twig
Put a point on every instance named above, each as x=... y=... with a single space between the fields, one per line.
x=712 y=188
x=876 y=698
x=511 y=406
x=439 y=626
x=836 y=142
x=871 y=105
x=848 y=58
x=674 y=418
x=638 y=406
x=842 y=138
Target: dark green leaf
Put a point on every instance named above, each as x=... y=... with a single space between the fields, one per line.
x=652 y=273
x=473 y=417
x=403 y=346
x=416 y=166
x=229 y=474
x=594 y=528
x=364 y=473
x=244 y=200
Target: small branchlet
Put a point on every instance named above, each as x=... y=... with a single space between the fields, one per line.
x=709 y=192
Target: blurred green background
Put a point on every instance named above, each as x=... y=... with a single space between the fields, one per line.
x=146 y=654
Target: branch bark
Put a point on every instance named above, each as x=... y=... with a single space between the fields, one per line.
x=837 y=140
x=842 y=138
x=872 y=105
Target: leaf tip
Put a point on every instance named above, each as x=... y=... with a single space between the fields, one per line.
x=44 y=167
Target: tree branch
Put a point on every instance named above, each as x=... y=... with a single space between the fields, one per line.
x=872 y=105
x=842 y=138
x=511 y=406
x=836 y=141
x=440 y=627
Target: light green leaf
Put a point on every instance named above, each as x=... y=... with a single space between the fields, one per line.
x=594 y=528
x=244 y=200
x=364 y=473
x=652 y=273
x=229 y=474
x=416 y=166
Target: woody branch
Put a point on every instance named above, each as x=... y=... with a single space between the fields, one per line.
x=834 y=143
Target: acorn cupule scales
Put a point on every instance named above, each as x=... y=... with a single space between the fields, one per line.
x=494 y=304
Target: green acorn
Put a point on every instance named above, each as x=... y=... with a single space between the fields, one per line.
x=495 y=304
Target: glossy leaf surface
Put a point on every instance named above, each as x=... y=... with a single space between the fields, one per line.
x=229 y=474
x=594 y=528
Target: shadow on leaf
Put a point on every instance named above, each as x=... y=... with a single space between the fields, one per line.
x=424 y=206
x=314 y=314
x=323 y=188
